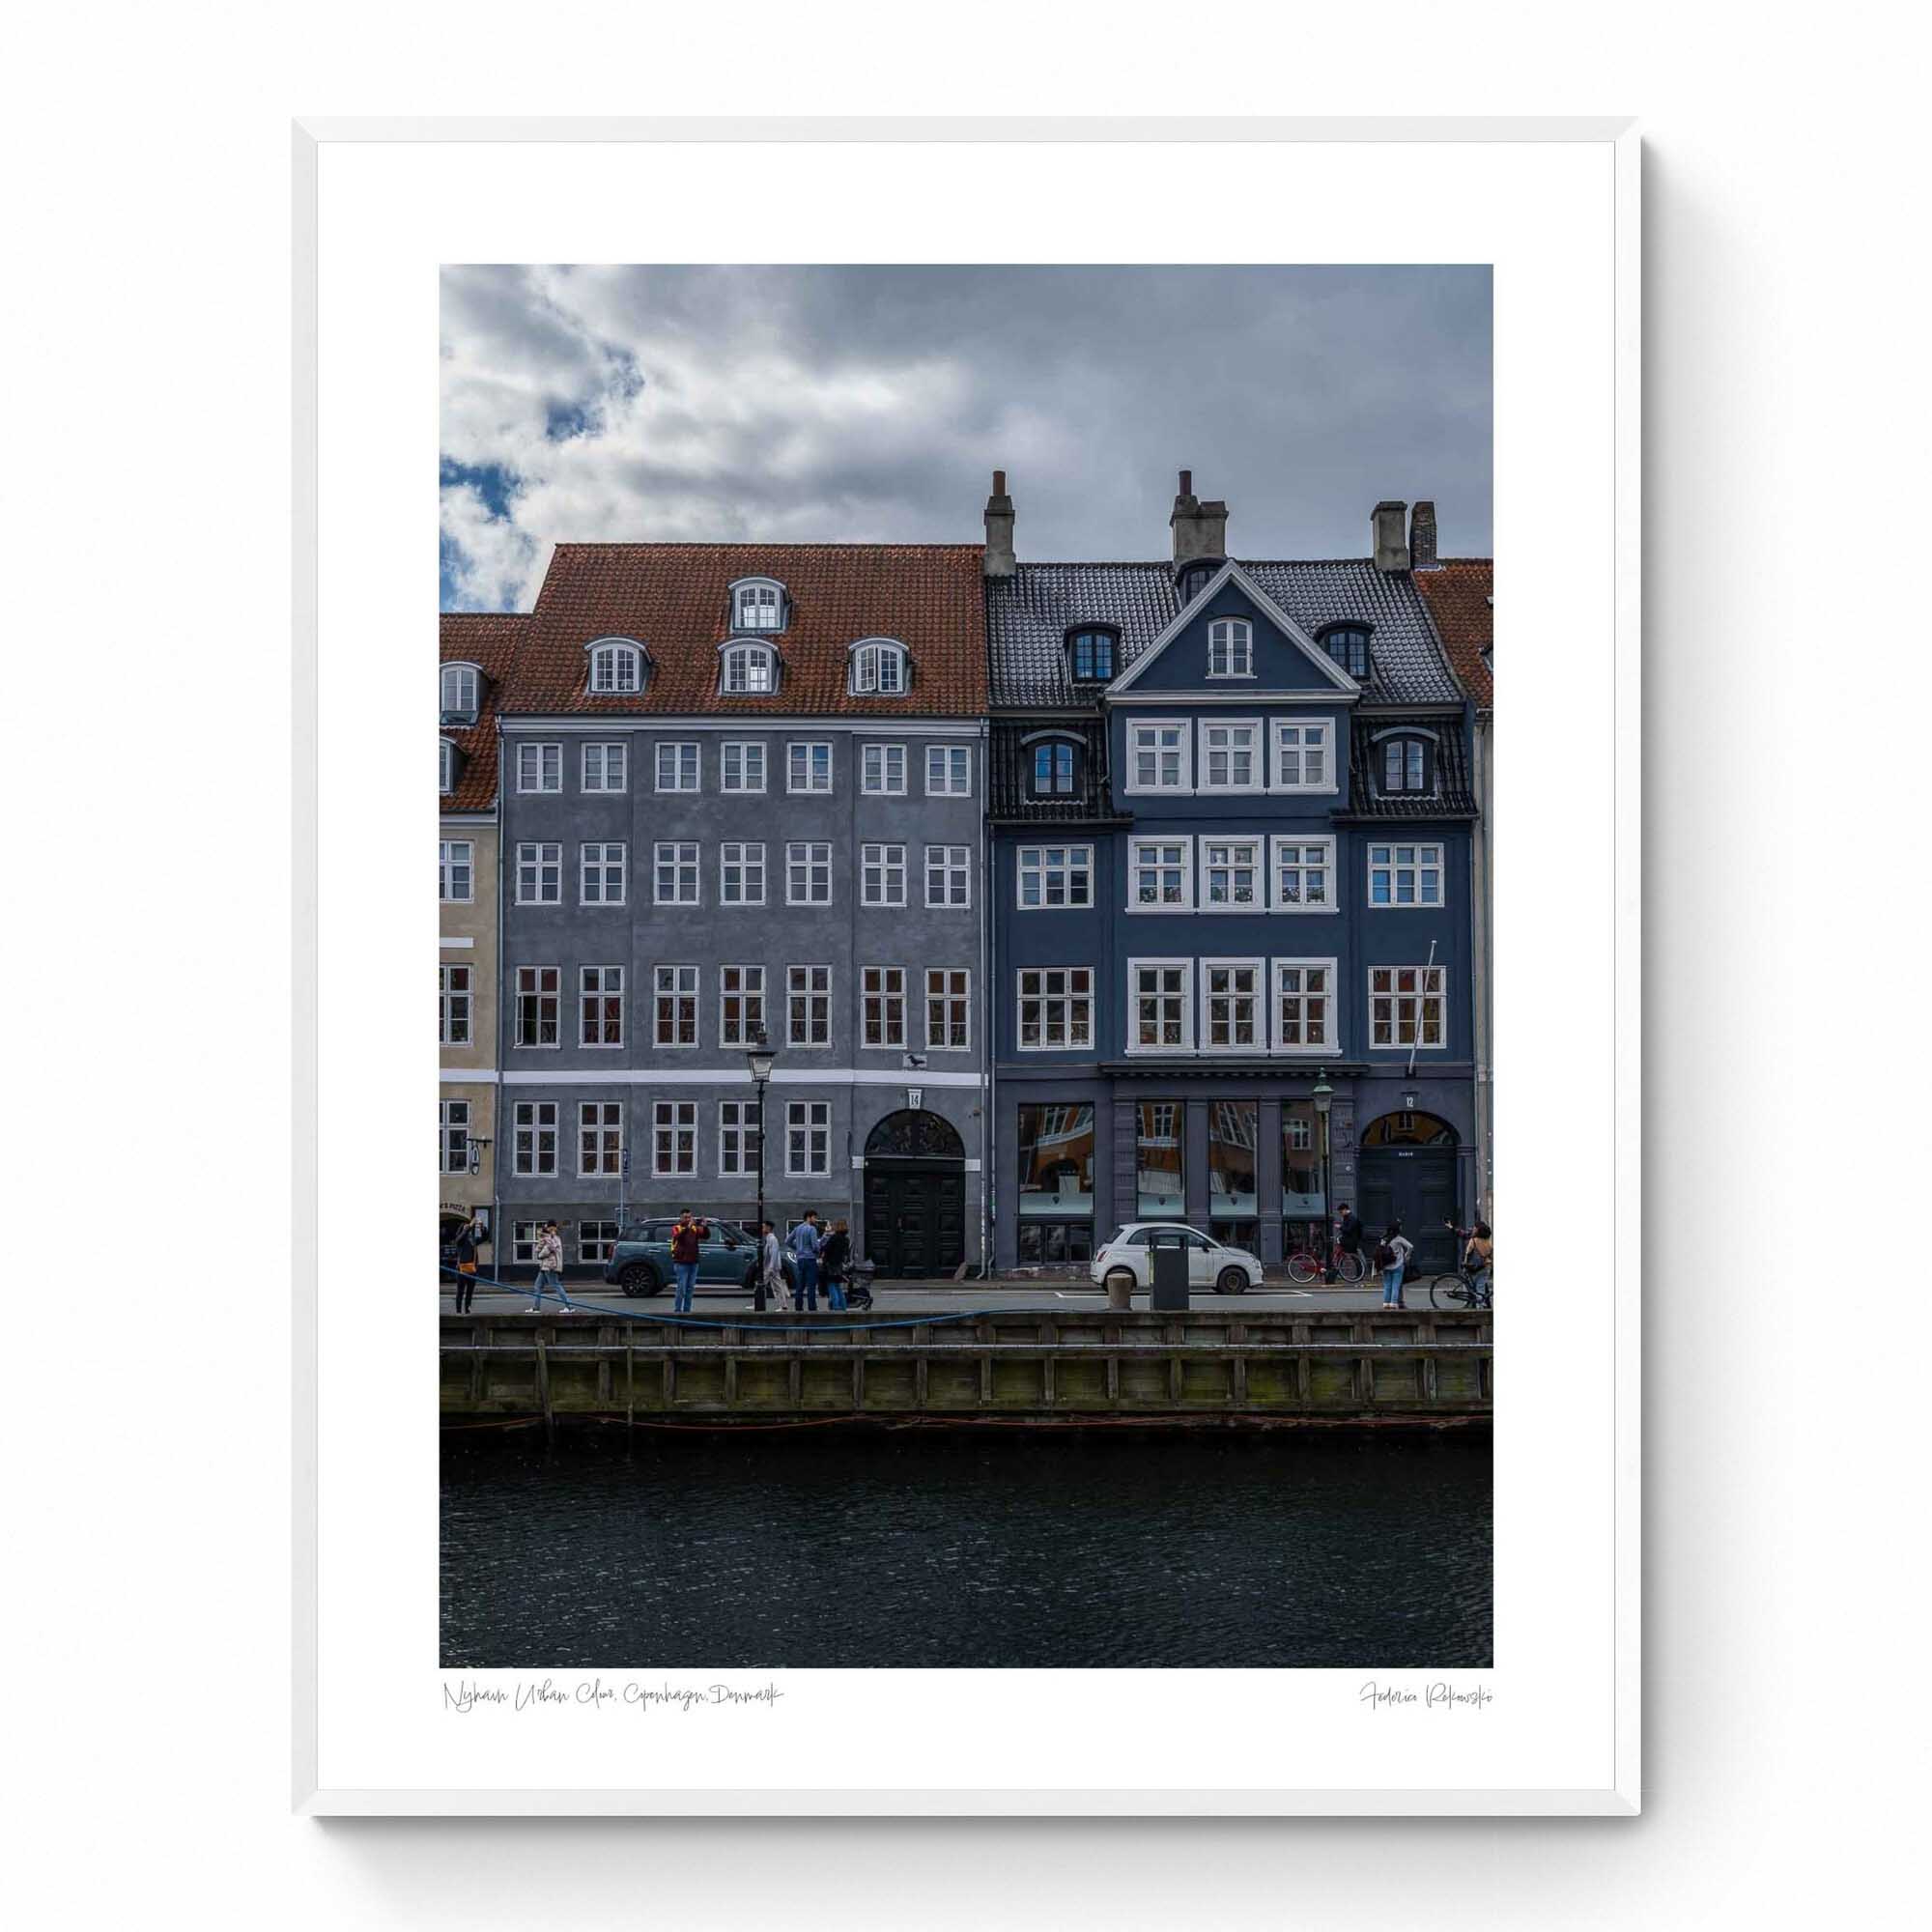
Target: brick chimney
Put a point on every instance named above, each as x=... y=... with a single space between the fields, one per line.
x=1000 y=561
x=1200 y=530
x=1391 y=553
x=1422 y=538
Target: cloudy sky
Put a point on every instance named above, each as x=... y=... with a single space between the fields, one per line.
x=872 y=404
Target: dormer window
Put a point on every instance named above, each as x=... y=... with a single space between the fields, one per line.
x=749 y=671
x=1090 y=656
x=1349 y=646
x=616 y=667
x=758 y=604
x=1406 y=766
x=1055 y=769
x=462 y=692
x=1231 y=647
x=879 y=668
x=448 y=766
x=1195 y=578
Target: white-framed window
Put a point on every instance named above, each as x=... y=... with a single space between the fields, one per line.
x=738 y=1130
x=740 y=1005
x=749 y=671
x=674 y=875
x=1405 y=764
x=757 y=606
x=448 y=761
x=1056 y=1007
x=807 y=1005
x=1232 y=879
x=1406 y=1006
x=1304 y=755
x=607 y=767
x=1303 y=875
x=1160 y=1006
x=741 y=873
x=604 y=865
x=675 y=1137
x=539 y=768
x=453 y=1005
x=1052 y=877
x=879 y=668
x=1230 y=755
x=456 y=871
x=600 y=1138
x=1160 y=755
x=462 y=691
x=808 y=872
x=677 y=765
x=1304 y=1007
x=1231 y=647
x=539 y=995
x=883 y=771
x=540 y=873
x=808 y=766
x=741 y=765
x=1231 y=1015
x=533 y=1143
x=882 y=875
x=452 y=1136
x=808 y=1136
x=599 y=1005
x=596 y=1241
x=949 y=1009
x=948 y=875
x=1405 y=875
x=616 y=668
x=676 y=1007
x=1160 y=875
x=948 y=771
x=882 y=992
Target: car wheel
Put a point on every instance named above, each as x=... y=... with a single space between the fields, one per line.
x=641 y=1278
x=1232 y=1281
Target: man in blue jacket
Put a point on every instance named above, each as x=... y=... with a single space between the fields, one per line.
x=806 y=1243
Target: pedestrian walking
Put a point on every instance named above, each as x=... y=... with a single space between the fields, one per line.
x=550 y=1266
x=688 y=1236
x=771 y=1271
x=1392 y=1258
x=469 y=1239
x=805 y=1245
x=835 y=1259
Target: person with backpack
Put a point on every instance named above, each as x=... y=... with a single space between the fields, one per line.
x=1392 y=1258
x=688 y=1236
x=1479 y=1258
x=834 y=1259
x=469 y=1239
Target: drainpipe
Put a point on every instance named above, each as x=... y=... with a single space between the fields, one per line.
x=987 y=909
x=500 y=1111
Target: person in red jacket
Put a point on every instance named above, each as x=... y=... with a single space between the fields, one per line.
x=687 y=1236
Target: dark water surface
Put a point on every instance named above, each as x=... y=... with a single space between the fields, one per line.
x=826 y=1550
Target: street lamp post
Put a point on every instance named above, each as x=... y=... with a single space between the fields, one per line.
x=1323 y=1096
x=758 y=1059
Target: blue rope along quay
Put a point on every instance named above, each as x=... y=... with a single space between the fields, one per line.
x=690 y=1321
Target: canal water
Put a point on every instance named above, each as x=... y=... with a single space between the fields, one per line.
x=1028 y=1548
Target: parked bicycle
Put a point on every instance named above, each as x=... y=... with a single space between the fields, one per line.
x=1471 y=1283
x=1304 y=1266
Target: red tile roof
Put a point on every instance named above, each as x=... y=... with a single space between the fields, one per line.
x=1459 y=596
x=493 y=643
x=672 y=598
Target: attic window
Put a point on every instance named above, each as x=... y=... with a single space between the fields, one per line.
x=879 y=668
x=1349 y=646
x=462 y=692
x=1196 y=578
x=1055 y=768
x=1090 y=656
x=616 y=667
x=758 y=604
x=448 y=765
x=1231 y=647
x=750 y=670
x=1407 y=766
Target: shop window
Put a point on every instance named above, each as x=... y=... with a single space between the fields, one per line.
x=1159 y=1191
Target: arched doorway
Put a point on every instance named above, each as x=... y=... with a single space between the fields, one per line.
x=914 y=1196
x=1406 y=1170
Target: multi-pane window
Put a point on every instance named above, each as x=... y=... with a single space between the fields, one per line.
x=676 y=1005
x=1231 y=875
x=878 y=669
x=749 y=671
x=759 y=607
x=948 y=875
x=808 y=1137
x=807 y=1005
x=446 y=766
x=740 y=1005
x=741 y=873
x=948 y=771
x=616 y=668
x=596 y=1241
x=675 y=1137
x=1055 y=875
x=1158 y=757
x=1231 y=756
x=539 y=767
x=1405 y=875
x=1056 y=1007
x=1304 y=876
x=883 y=770
x=1093 y=656
x=1349 y=646
x=808 y=767
x=1163 y=993
x=462 y=688
x=677 y=766
x=537 y=998
x=882 y=875
x=675 y=875
x=1304 y=758
x=947 y=1009
x=1052 y=774
x=533 y=1137
x=1407 y=765
x=808 y=872
x=1231 y=1004
x=599 y=1005
x=540 y=874
x=737 y=1137
x=604 y=865
x=453 y=1005
x=607 y=767
x=882 y=1004
x=741 y=765
x=452 y=1136
x=1405 y=1005
x=1160 y=870
x=456 y=871
x=600 y=1138
x=524 y=1241
x=1231 y=647
x=1304 y=1012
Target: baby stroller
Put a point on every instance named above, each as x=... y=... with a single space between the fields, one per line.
x=859 y=1286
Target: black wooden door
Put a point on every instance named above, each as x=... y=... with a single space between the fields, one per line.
x=1417 y=1187
x=915 y=1217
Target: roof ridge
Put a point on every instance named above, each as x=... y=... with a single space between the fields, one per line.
x=749 y=543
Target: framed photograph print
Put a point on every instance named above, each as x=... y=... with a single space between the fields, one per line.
x=995 y=980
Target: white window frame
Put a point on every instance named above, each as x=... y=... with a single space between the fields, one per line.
x=751 y=599
x=1256 y=747
x=669 y=983
x=539 y=769
x=1281 y=842
x=758 y=666
x=535 y=1117
x=953 y=995
x=1185 y=995
x=875 y=763
x=685 y=775
x=599 y=988
x=870 y=657
x=601 y=1120
x=1320 y=730
x=1068 y=996
x=882 y=875
x=1239 y=643
x=749 y=992
x=1184 y=844
x=1036 y=862
x=467 y=677
x=939 y=762
x=446 y=767
x=812 y=787
x=1204 y=994
x=1183 y=749
x=807 y=846
x=953 y=866
x=751 y=864
x=535 y=991
x=540 y=862
x=751 y=752
x=613 y=767
x=1326 y=1049
x=595 y=1248
x=1395 y=868
x=448 y=865
x=809 y=1118
x=524 y=1241
x=739 y=1129
x=605 y=862
x=818 y=1004
x=1439 y=993
x=456 y=998
x=626 y=661
x=671 y=1119
x=1258 y=848
x=678 y=863
x=452 y=1136
x=882 y=994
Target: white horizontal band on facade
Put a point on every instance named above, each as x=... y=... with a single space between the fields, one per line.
x=456 y=942
x=725 y=1076
x=738 y=726
x=478 y=1076
x=971 y=1166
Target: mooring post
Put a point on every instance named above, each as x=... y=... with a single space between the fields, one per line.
x=543 y=1390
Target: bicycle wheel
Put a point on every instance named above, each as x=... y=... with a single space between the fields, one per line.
x=1352 y=1269
x=1450 y=1290
x=1302 y=1266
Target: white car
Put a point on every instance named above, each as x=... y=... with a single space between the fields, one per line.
x=1225 y=1270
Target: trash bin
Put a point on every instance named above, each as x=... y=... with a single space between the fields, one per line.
x=1167 y=1266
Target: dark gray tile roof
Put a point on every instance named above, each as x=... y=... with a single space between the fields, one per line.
x=1452 y=798
x=1010 y=764
x=1029 y=615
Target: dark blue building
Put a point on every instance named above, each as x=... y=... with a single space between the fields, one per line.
x=1231 y=854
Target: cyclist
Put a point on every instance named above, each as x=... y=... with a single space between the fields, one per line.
x=1479 y=1254
x=1349 y=1231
